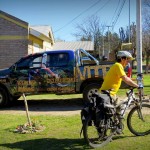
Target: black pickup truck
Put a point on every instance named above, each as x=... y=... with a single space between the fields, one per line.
x=57 y=72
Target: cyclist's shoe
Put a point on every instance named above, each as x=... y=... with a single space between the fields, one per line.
x=120 y=128
x=119 y=131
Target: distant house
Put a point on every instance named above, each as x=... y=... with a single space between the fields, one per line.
x=40 y=38
x=86 y=45
x=18 y=39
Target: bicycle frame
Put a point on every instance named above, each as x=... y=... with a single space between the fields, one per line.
x=130 y=98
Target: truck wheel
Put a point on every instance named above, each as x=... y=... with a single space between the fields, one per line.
x=3 y=97
x=88 y=91
x=15 y=99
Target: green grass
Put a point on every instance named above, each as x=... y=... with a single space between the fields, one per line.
x=61 y=133
x=53 y=96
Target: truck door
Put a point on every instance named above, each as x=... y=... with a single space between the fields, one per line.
x=22 y=74
x=62 y=67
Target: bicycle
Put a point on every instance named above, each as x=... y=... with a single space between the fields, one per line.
x=103 y=121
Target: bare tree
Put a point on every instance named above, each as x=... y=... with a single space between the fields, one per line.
x=146 y=33
x=90 y=30
x=93 y=30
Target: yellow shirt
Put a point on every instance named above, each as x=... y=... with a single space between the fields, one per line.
x=113 y=79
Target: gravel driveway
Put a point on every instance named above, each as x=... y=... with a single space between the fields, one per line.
x=46 y=107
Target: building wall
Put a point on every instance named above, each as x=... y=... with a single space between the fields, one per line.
x=13 y=39
x=34 y=44
x=47 y=45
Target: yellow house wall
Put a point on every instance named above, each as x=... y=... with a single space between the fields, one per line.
x=32 y=40
x=47 y=45
x=36 y=40
x=44 y=45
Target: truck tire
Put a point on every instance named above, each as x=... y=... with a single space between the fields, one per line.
x=15 y=99
x=88 y=91
x=3 y=97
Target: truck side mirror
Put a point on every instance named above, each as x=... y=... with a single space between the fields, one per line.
x=13 y=68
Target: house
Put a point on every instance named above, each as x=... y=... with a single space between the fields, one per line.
x=18 y=39
x=40 y=38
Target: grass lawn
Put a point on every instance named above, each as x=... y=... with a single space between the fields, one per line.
x=61 y=133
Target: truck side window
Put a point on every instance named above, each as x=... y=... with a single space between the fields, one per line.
x=24 y=63
x=58 y=60
x=37 y=62
x=33 y=61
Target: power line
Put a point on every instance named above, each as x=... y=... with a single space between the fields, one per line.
x=101 y=7
x=119 y=12
x=115 y=10
x=77 y=16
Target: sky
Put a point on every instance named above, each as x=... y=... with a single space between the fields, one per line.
x=63 y=15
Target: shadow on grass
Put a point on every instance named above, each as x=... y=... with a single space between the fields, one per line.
x=52 y=144
x=48 y=105
x=48 y=144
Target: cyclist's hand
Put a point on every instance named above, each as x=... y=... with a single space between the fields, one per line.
x=140 y=86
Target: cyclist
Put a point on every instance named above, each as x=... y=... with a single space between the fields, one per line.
x=116 y=74
x=113 y=79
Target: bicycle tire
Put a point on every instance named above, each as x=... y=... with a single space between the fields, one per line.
x=136 y=125
x=92 y=137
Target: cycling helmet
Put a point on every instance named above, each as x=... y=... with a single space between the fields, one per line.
x=124 y=54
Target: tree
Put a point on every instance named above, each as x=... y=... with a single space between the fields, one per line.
x=146 y=33
x=90 y=30
x=93 y=30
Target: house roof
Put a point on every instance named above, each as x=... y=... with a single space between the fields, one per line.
x=13 y=19
x=45 y=30
x=86 y=45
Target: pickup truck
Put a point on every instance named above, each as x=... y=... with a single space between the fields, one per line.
x=56 y=71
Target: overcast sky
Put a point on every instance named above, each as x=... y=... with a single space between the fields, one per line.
x=63 y=15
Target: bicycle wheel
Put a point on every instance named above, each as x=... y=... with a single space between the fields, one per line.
x=138 y=121
x=94 y=138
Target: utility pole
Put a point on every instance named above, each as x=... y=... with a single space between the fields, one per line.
x=139 y=36
x=129 y=22
x=108 y=40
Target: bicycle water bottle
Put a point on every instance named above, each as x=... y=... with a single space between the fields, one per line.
x=140 y=80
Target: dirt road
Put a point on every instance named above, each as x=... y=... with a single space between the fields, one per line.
x=46 y=107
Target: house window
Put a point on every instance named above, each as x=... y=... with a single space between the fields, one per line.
x=36 y=48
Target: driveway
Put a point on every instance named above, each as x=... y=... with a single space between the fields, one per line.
x=46 y=107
